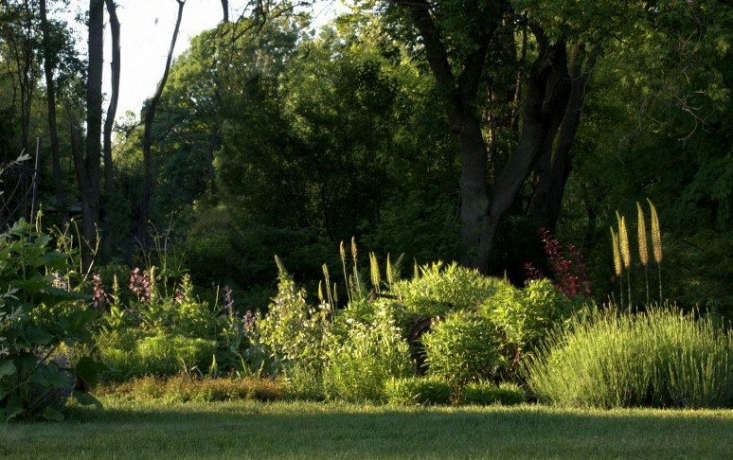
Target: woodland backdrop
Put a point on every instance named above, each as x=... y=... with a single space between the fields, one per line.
x=451 y=130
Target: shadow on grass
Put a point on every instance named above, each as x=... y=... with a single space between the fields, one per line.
x=249 y=429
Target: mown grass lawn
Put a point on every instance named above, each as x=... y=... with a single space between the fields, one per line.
x=318 y=430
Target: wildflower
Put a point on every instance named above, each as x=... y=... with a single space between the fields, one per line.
x=140 y=284
x=99 y=296
x=248 y=321
x=228 y=300
x=58 y=282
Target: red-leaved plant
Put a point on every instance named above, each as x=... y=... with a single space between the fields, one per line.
x=566 y=264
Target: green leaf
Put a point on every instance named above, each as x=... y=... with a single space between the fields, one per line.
x=7 y=368
x=88 y=370
x=38 y=336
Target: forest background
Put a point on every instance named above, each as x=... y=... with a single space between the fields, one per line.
x=451 y=130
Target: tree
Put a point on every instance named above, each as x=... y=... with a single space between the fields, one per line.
x=225 y=10
x=49 y=64
x=470 y=48
x=88 y=169
x=112 y=108
x=149 y=118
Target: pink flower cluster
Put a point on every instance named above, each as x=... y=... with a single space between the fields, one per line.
x=228 y=300
x=140 y=284
x=99 y=296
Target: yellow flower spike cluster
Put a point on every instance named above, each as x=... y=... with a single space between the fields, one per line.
x=622 y=249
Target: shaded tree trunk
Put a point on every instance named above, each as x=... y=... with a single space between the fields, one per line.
x=112 y=108
x=548 y=93
x=49 y=64
x=225 y=10
x=461 y=95
x=91 y=166
x=148 y=178
x=556 y=160
x=544 y=103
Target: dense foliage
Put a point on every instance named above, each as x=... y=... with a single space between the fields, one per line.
x=660 y=358
x=507 y=135
x=38 y=313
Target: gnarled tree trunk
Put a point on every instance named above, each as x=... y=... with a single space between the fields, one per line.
x=556 y=159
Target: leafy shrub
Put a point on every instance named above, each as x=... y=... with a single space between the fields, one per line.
x=658 y=358
x=485 y=393
x=183 y=388
x=526 y=316
x=357 y=368
x=132 y=353
x=293 y=330
x=35 y=319
x=304 y=381
x=418 y=390
x=440 y=289
x=463 y=347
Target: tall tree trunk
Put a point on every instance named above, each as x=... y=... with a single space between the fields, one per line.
x=543 y=109
x=553 y=174
x=461 y=92
x=225 y=10
x=112 y=108
x=90 y=197
x=148 y=184
x=49 y=64
x=473 y=186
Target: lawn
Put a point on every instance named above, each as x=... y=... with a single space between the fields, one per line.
x=318 y=430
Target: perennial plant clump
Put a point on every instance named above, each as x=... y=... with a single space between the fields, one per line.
x=660 y=358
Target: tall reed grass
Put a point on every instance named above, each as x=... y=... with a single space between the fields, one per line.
x=659 y=358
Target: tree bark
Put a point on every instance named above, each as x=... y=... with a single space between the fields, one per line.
x=90 y=196
x=148 y=184
x=49 y=64
x=112 y=108
x=225 y=10
x=553 y=174
x=461 y=94
x=543 y=110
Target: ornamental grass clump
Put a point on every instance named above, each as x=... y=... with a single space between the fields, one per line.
x=659 y=358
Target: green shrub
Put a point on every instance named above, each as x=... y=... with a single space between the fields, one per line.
x=293 y=330
x=418 y=390
x=462 y=348
x=485 y=393
x=440 y=289
x=38 y=313
x=526 y=316
x=659 y=358
x=304 y=381
x=357 y=368
x=132 y=353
